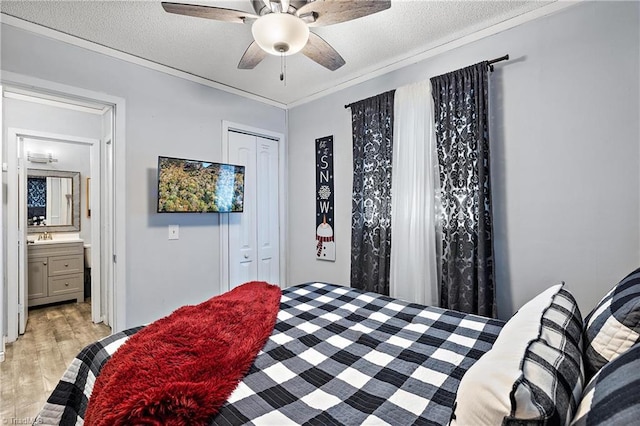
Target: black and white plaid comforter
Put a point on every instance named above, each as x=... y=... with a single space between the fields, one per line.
x=337 y=356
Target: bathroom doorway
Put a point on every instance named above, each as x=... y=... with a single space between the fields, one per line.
x=58 y=219
x=53 y=190
x=49 y=133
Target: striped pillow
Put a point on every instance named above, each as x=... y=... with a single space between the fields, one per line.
x=533 y=374
x=612 y=397
x=613 y=326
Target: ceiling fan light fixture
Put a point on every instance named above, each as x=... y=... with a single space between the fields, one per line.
x=280 y=33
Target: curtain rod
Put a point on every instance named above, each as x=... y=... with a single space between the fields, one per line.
x=500 y=59
x=489 y=64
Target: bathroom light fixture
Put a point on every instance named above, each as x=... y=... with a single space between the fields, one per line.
x=36 y=157
x=280 y=33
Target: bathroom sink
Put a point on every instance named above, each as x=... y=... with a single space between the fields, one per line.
x=56 y=239
x=42 y=242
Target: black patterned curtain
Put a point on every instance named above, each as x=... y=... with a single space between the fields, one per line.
x=36 y=192
x=462 y=131
x=36 y=198
x=372 y=125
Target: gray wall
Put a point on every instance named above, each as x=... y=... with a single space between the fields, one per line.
x=165 y=115
x=565 y=154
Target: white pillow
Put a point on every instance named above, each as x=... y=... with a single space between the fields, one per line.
x=503 y=360
x=533 y=373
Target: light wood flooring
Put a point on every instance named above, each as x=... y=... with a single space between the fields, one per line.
x=36 y=361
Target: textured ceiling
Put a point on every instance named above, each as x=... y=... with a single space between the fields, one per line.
x=212 y=49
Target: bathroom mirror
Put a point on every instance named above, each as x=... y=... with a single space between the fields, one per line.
x=53 y=201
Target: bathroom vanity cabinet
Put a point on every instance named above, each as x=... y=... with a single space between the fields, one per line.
x=56 y=272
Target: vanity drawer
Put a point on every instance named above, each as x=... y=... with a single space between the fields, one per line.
x=55 y=249
x=65 y=284
x=63 y=265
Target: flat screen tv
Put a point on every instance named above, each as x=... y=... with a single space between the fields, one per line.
x=191 y=186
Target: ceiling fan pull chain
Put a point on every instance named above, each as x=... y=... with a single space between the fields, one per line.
x=282 y=68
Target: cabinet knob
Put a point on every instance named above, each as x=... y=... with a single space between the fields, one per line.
x=44 y=263
x=246 y=256
x=66 y=264
x=66 y=284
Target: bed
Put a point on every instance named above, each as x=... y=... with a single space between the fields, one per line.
x=340 y=356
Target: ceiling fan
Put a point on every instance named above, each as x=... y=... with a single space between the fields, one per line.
x=281 y=27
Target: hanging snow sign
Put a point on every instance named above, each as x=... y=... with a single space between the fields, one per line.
x=325 y=243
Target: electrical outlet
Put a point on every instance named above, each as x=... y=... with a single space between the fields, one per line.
x=173 y=232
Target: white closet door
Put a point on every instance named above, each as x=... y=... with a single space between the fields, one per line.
x=267 y=219
x=242 y=226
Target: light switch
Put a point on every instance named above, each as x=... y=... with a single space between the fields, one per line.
x=173 y=232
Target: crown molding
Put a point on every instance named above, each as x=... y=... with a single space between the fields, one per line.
x=108 y=51
x=366 y=74
x=437 y=48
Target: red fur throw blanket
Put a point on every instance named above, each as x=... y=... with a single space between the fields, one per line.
x=180 y=369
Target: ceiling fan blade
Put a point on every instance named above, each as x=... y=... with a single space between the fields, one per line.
x=208 y=12
x=327 y=12
x=321 y=52
x=252 y=57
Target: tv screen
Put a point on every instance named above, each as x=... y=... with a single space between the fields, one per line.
x=190 y=186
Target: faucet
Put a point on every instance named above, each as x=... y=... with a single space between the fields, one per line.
x=45 y=236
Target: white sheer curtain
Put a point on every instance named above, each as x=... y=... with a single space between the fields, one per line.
x=414 y=258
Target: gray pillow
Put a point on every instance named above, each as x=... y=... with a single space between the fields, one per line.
x=613 y=326
x=611 y=398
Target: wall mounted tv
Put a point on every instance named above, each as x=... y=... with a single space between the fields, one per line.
x=190 y=186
